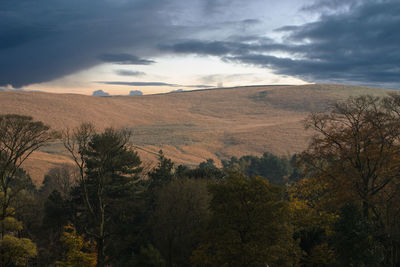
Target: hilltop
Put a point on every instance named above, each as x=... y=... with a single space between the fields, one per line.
x=189 y=126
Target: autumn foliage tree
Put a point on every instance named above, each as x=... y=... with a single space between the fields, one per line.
x=78 y=251
x=15 y=251
x=356 y=153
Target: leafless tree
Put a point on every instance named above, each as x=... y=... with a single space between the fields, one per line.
x=76 y=141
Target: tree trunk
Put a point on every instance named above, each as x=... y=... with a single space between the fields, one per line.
x=100 y=252
x=365 y=208
x=100 y=243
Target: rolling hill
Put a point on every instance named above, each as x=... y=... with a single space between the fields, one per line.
x=188 y=126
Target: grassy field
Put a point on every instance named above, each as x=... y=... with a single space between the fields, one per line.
x=188 y=126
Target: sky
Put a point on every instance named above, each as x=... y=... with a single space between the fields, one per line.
x=156 y=46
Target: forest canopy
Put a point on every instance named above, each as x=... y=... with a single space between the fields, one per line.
x=335 y=204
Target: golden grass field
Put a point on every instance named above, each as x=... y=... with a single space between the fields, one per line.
x=188 y=126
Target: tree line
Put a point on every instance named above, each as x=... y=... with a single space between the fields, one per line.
x=335 y=204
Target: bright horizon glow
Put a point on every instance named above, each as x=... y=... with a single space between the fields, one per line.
x=208 y=70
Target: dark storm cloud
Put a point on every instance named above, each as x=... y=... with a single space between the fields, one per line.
x=125 y=59
x=359 y=45
x=352 y=41
x=43 y=40
x=154 y=84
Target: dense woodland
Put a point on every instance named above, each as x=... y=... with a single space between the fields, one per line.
x=335 y=204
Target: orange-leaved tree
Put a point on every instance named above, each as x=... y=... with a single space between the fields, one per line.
x=356 y=154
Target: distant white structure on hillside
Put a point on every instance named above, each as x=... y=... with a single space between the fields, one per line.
x=176 y=91
x=100 y=93
x=135 y=93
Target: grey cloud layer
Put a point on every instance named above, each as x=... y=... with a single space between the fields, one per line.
x=358 y=45
x=125 y=59
x=352 y=42
x=154 y=84
x=129 y=73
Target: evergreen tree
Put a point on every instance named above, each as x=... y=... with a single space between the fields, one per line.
x=163 y=173
x=105 y=195
x=179 y=218
x=249 y=225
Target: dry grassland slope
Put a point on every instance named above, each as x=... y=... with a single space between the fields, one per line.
x=189 y=126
